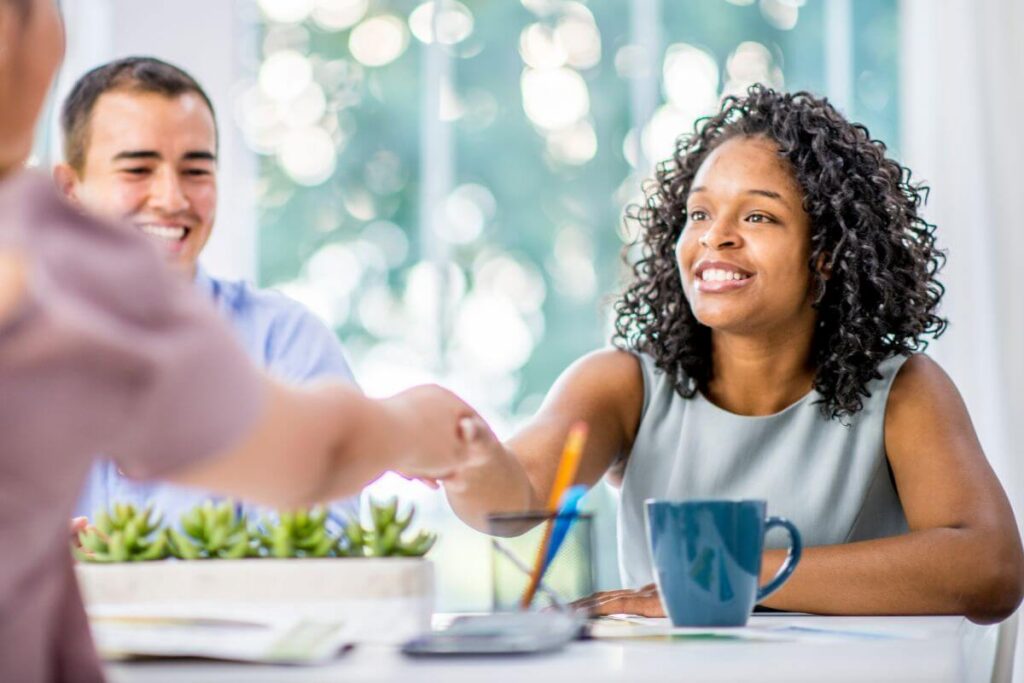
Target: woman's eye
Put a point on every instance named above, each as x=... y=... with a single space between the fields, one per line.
x=759 y=218
x=197 y=172
x=697 y=215
x=137 y=170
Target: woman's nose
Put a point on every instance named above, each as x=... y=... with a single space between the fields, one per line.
x=720 y=236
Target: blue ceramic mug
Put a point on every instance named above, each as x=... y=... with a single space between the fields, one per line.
x=706 y=556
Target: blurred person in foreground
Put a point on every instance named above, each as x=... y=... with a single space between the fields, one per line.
x=103 y=350
x=140 y=145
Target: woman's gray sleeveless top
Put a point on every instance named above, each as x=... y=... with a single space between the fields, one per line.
x=831 y=479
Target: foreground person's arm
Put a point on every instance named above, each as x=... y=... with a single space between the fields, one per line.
x=603 y=389
x=963 y=552
x=134 y=362
x=312 y=445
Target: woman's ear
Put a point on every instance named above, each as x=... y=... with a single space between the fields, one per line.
x=824 y=265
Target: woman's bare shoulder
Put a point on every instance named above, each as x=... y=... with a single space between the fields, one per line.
x=608 y=375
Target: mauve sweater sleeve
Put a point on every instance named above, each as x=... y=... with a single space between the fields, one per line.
x=105 y=317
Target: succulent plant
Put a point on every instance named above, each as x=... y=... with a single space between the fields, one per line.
x=217 y=531
x=384 y=538
x=302 y=533
x=123 y=534
x=212 y=531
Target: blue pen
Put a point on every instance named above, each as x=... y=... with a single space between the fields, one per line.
x=567 y=514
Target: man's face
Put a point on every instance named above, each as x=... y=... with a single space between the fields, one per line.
x=151 y=159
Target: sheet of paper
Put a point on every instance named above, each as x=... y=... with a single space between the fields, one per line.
x=628 y=626
x=155 y=631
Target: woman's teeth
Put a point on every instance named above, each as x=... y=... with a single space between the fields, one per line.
x=717 y=275
x=165 y=232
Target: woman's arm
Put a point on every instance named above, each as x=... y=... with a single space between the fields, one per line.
x=962 y=554
x=603 y=389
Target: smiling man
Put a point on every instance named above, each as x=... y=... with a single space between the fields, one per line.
x=140 y=145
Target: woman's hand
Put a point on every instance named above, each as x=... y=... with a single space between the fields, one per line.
x=642 y=602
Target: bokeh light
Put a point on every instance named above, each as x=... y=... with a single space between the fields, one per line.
x=782 y=14
x=307 y=108
x=554 y=98
x=490 y=333
x=336 y=268
x=338 y=15
x=285 y=74
x=578 y=34
x=307 y=155
x=258 y=118
x=575 y=145
x=516 y=278
x=541 y=48
x=286 y=11
x=454 y=25
x=751 y=62
x=466 y=212
x=378 y=40
x=690 y=77
x=572 y=264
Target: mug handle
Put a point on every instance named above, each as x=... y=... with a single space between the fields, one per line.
x=792 y=557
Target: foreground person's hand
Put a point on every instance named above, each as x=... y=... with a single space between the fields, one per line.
x=12 y=283
x=482 y=446
x=78 y=524
x=430 y=425
x=643 y=602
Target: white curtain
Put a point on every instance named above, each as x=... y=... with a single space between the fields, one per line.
x=962 y=86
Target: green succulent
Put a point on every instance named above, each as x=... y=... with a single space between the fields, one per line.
x=123 y=534
x=384 y=537
x=210 y=531
x=217 y=531
x=302 y=533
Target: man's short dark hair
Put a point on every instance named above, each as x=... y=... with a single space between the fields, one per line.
x=138 y=74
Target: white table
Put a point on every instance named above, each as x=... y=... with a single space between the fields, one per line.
x=937 y=649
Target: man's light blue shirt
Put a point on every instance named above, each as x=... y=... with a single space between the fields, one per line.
x=279 y=335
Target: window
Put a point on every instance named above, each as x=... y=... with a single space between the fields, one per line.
x=453 y=208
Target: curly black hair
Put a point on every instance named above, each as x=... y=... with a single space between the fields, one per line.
x=882 y=292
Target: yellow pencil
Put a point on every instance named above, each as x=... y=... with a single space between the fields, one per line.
x=569 y=464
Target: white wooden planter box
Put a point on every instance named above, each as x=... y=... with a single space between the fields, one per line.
x=379 y=600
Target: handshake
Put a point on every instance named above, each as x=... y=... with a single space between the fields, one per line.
x=317 y=444
x=320 y=443
x=436 y=434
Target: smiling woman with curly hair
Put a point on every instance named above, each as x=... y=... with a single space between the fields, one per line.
x=872 y=258
x=769 y=347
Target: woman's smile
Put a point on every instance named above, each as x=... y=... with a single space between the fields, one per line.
x=717 y=277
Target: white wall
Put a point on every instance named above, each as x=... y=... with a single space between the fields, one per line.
x=962 y=71
x=208 y=39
